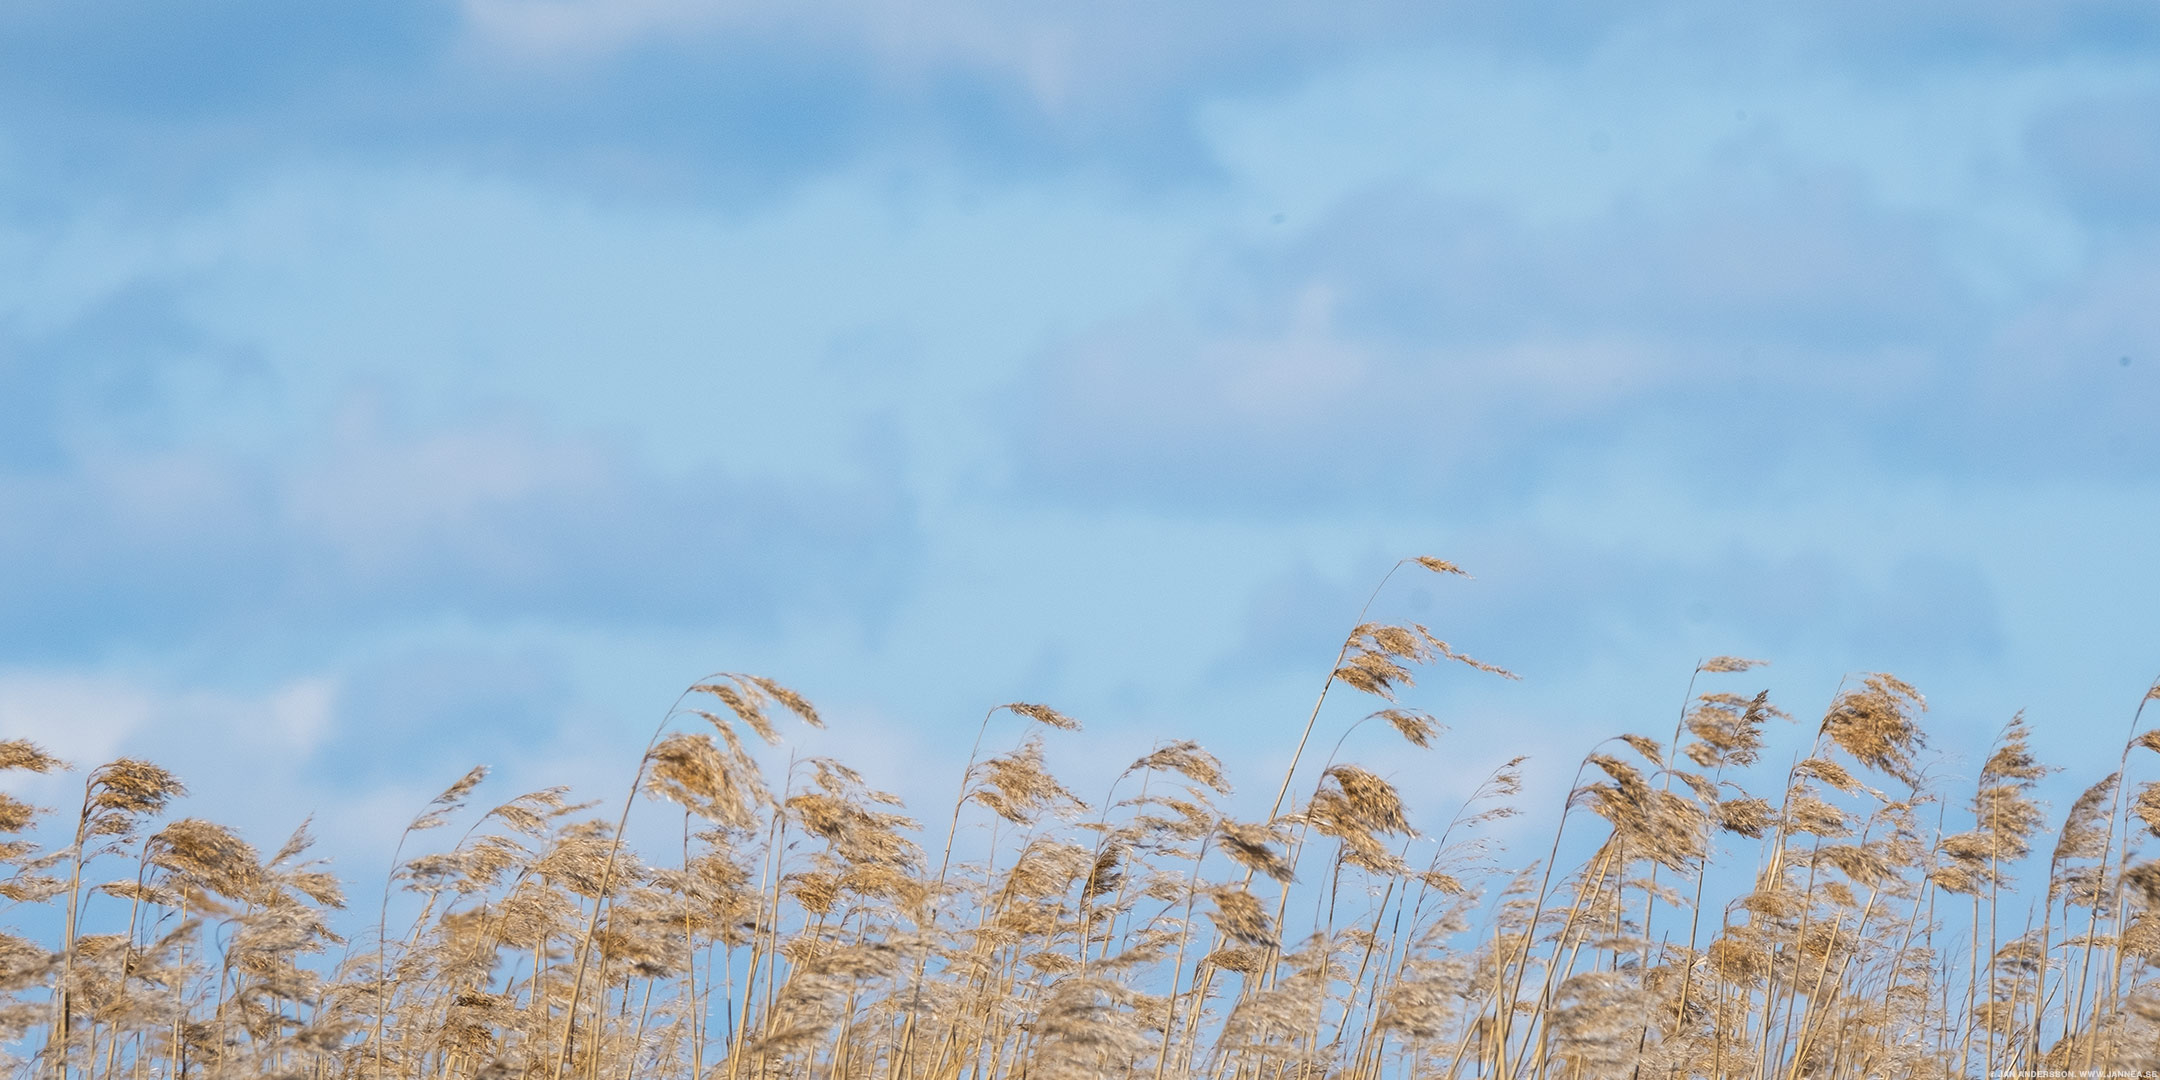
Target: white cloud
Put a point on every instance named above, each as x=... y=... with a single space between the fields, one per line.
x=489 y=520
x=85 y=719
x=1412 y=344
x=89 y=717
x=1066 y=62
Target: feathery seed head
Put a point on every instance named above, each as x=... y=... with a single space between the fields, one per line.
x=1044 y=714
x=207 y=856
x=1647 y=747
x=1372 y=804
x=747 y=701
x=27 y=756
x=15 y=815
x=1829 y=772
x=1728 y=728
x=2084 y=836
x=1239 y=916
x=1725 y=664
x=2144 y=880
x=1875 y=725
x=1017 y=787
x=788 y=699
x=441 y=807
x=2011 y=760
x=1187 y=759
x=1805 y=813
x=1253 y=847
x=2147 y=806
x=687 y=768
x=1748 y=817
x=129 y=788
x=1413 y=725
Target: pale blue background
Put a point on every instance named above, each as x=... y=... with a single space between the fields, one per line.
x=386 y=387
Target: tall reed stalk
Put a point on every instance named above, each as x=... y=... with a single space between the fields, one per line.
x=1670 y=923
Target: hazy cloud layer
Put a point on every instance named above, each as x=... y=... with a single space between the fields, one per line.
x=493 y=523
x=2105 y=152
x=1414 y=345
x=705 y=99
x=445 y=380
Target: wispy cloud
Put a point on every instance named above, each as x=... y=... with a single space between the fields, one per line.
x=373 y=524
x=2105 y=152
x=734 y=100
x=1415 y=343
x=415 y=376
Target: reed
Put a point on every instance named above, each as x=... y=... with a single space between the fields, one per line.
x=1864 y=923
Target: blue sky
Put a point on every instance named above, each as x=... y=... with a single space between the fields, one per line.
x=413 y=384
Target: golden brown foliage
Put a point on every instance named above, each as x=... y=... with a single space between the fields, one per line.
x=1682 y=925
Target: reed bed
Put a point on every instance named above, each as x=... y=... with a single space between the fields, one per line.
x=1700 y=912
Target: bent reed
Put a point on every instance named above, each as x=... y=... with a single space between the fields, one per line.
x=801 y=929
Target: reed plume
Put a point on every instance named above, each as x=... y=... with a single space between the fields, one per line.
x=1697 y=911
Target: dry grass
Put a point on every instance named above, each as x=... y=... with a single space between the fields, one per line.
x=800 y=928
